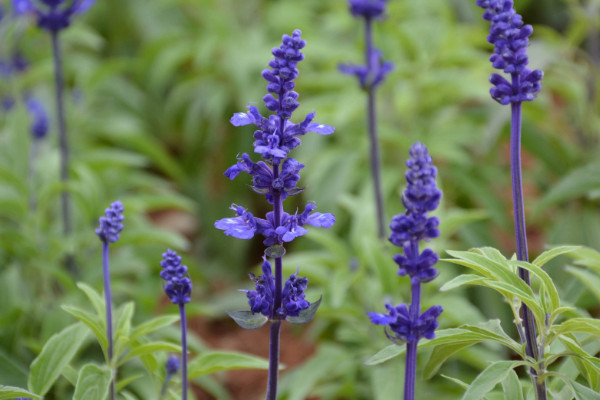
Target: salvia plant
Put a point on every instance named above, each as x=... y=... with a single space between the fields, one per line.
x=276 y=178
x=109 y=231
x=53 y=16
x=370 y=76
x=178 y=288
x=406 y=322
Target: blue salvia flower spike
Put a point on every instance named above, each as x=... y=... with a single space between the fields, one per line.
x=510 y=38
x=370 y=76
x=406 y=323
x=171 y=367
x=109 y=231
x=54 y=16
x=276 y=178
x=178 y=288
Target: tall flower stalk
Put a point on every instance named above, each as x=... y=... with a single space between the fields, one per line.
x=276 y=178
x=109 y=231
x=369 y=77
x=510 y=38
x=406 y=323
x=53 y=16
x=178 y=288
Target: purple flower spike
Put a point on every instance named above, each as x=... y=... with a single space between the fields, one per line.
x=367 y=8
x=55 y=15
x=111 y=224
x=510 y=38
x=178 y=286
x=405 y=328
x=293 y=295
x=242 y=227
x=39 y=118
x=172 y=365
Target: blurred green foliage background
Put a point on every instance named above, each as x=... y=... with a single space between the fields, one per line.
x=152 y=86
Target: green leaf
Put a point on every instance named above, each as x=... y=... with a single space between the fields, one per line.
x=212 y=362
x=147 y=348
x=93 y=383
x=440 y=354
x=11 y=392
x=545 y=280
x=70 y=374
x=526 y=296
x=57 y=353
x=125 y=314
x=577 y=325
x=91 y=321
x=153 y=325
x=512 y=386
x=247 y=320
x=457 y=381
x=95 y=299
x=385 y=354
x=584 y=393
x=588 y=366
x=589 y=279
x=124 y=382
x=486 y=381
x=306 y=315
x=552 y=253
x=463 y=279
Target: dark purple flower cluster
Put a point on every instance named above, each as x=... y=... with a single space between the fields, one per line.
x=178 y=286
x=111 y=224
x=367 y=8
x=245 y=225
x=420 y=197
x=55 y=15
x=172 y=365
x=39 y=118
x=261 y=300
x=510 y=39
x=406 y=329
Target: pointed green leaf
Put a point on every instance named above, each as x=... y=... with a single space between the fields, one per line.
x=461 y=280
x=457 y=381
x=589 y=279
x=512 y=386
x=92 y=383
x=95 y=298
x=91 y=321
x=584 y=393
x=486 y=381
x=306 y=315
x=440 y=354
x=215 y=361
x=11 y=392
x=552 y=253
x=153 y=325
x=577 y=325
x=247 y=320
x=545 y=280
x=385 y=354
x=147 y=348
x=57 y=353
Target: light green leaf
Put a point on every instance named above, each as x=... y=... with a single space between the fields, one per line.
x=153 y=325
x=489 y=378
x=211 y=362
x=464 y=279
x=91 y=321
x=124 y=382
x=588 y=366
x=385 y=354
x=512 y=386
x=457 y=381
x=545 y=280
x=95 y=298
x=57 y=353
x=11 y=392
x=146 y=348
x=584 y=393
x=589 y=279
x=577 y=325
x=440 y=354
x=93 y=383
x=552 y=253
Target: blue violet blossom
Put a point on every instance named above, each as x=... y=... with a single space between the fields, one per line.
x=178 y=286
x=406 y=322
x=276 y=177
x=52 y=15
x=510 y=38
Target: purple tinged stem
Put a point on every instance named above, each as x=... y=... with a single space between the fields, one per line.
x=184 y=358
x=63 y=141
x=108 y=306
x=375 y=157
x=410 y=372
x=531 y=346
x=274 y=341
